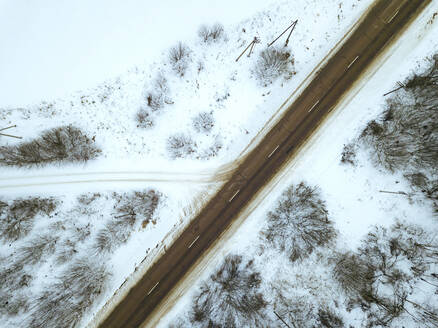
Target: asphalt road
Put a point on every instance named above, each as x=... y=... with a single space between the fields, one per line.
x=384 y=21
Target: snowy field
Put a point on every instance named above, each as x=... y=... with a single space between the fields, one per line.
x=357 y=198
x=146 y=120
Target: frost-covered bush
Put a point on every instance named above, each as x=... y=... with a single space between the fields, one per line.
x=406 y=136
x=211 y=33
x=159 y=93
x=392 y=276
x=203 y=122
x=212 y=150
x=144 y=118
x=131 y=209
x=179 y=57
x=64 y=303
x=230 y=297
x=17 y=217
x=62 y=144
x=299 y=223
x=272 y=63
x=180 y=145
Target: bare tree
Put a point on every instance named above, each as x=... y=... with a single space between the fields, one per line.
x=299 y=223
x=230 y=297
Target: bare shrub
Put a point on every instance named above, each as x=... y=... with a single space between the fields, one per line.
x=230 y=297
x=179 y=56
x=159 y=95
x=130 y=209
x=299 y=222
x=203 y=122
x=17 y=218
x=212 y=150
x=62 y=144
x=348 y=155
x=180 y=146
x=87 y=198
x=212 y=33
x=64 y=303
x=144 y=118
x=273 y=63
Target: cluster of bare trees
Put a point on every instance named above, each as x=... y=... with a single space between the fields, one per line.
x=17 y=217
x=390 y=275
x=131 y=210
x=78 y=279
x=62 y=144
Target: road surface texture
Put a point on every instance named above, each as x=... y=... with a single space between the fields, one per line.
x=381 y=24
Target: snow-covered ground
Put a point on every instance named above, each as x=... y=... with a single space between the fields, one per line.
x=353 y=195
x=67 y=56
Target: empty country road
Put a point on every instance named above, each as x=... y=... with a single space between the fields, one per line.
x=379 y=26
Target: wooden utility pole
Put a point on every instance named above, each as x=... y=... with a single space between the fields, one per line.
x=400 y=86
x=252 y=44
x=292 y=27
x=9 y=135
x=278 y=316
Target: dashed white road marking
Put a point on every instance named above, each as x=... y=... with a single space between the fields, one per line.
x=152 y=289
x=352 y=62
x=390 y=20
x=313 y=106
x=193 y=242
x=272 y=152
x=234 y=196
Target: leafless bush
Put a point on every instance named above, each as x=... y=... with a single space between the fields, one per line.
x=203 y=122
x=349 y=154
x=230 y=297
x=159 y=95
x=179 y=56
x=17 y=218
x=211 y=151
x=130 y=209
x=299 y=222
x=63 y=144
x=273 y=63
x=180 y=146
x=212 y=33
x=87 y=198
x=64 y=303
x=144 y=118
